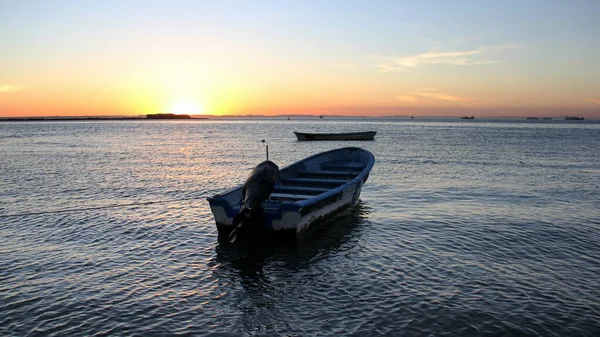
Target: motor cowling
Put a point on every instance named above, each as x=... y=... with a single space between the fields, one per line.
x=259 y=185
x=257 y=188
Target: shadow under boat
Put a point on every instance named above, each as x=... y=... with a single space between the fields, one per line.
x=324 y=237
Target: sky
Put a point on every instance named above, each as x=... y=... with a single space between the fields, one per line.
x=369 y=58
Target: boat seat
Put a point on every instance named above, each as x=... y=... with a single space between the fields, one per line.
x=290 y=196
x=331 y=173
x=313 y=181
x=290 y=189
x=343 y=167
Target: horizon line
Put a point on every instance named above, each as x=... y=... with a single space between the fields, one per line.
x=298 y=116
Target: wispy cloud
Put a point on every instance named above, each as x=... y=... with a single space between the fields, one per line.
x=594 y=100
x=431 y=95
x=441 y=96
x=10 y=87
x=479 y=56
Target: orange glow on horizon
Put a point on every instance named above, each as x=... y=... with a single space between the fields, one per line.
x=148 y=95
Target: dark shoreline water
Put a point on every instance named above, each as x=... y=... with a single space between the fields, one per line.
x=464 y=228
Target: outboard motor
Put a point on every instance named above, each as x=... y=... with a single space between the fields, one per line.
x=257 y=188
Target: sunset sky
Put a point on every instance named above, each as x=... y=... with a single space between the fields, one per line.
x=372 y=58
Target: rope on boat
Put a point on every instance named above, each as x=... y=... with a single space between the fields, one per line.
x=66 y=210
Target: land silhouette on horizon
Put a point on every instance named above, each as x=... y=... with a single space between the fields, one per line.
x=282 y=116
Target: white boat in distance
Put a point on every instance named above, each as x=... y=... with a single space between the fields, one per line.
x=365 y=135
x=287 y=202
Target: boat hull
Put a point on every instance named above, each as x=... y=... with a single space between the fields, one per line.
x=291 y=218
x=368 y=135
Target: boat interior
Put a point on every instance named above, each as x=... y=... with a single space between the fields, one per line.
x=304 y=184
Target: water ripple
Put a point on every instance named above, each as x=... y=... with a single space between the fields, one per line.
x=463 y=229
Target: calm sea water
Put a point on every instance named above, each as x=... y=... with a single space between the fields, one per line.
x=465 y=228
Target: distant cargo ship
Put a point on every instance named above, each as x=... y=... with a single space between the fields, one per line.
x=574 y=118
x=467 y=117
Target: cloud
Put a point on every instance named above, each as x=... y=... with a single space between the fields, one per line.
x=427 y=95
x=441 y=96
x=10 y=87
x=594 y=100
x=458 y=58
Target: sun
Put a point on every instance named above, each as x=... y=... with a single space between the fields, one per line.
x=186 y=107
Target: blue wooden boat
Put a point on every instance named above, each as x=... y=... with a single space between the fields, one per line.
x=287 y=202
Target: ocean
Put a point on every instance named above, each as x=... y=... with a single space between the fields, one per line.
x=465 y=228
